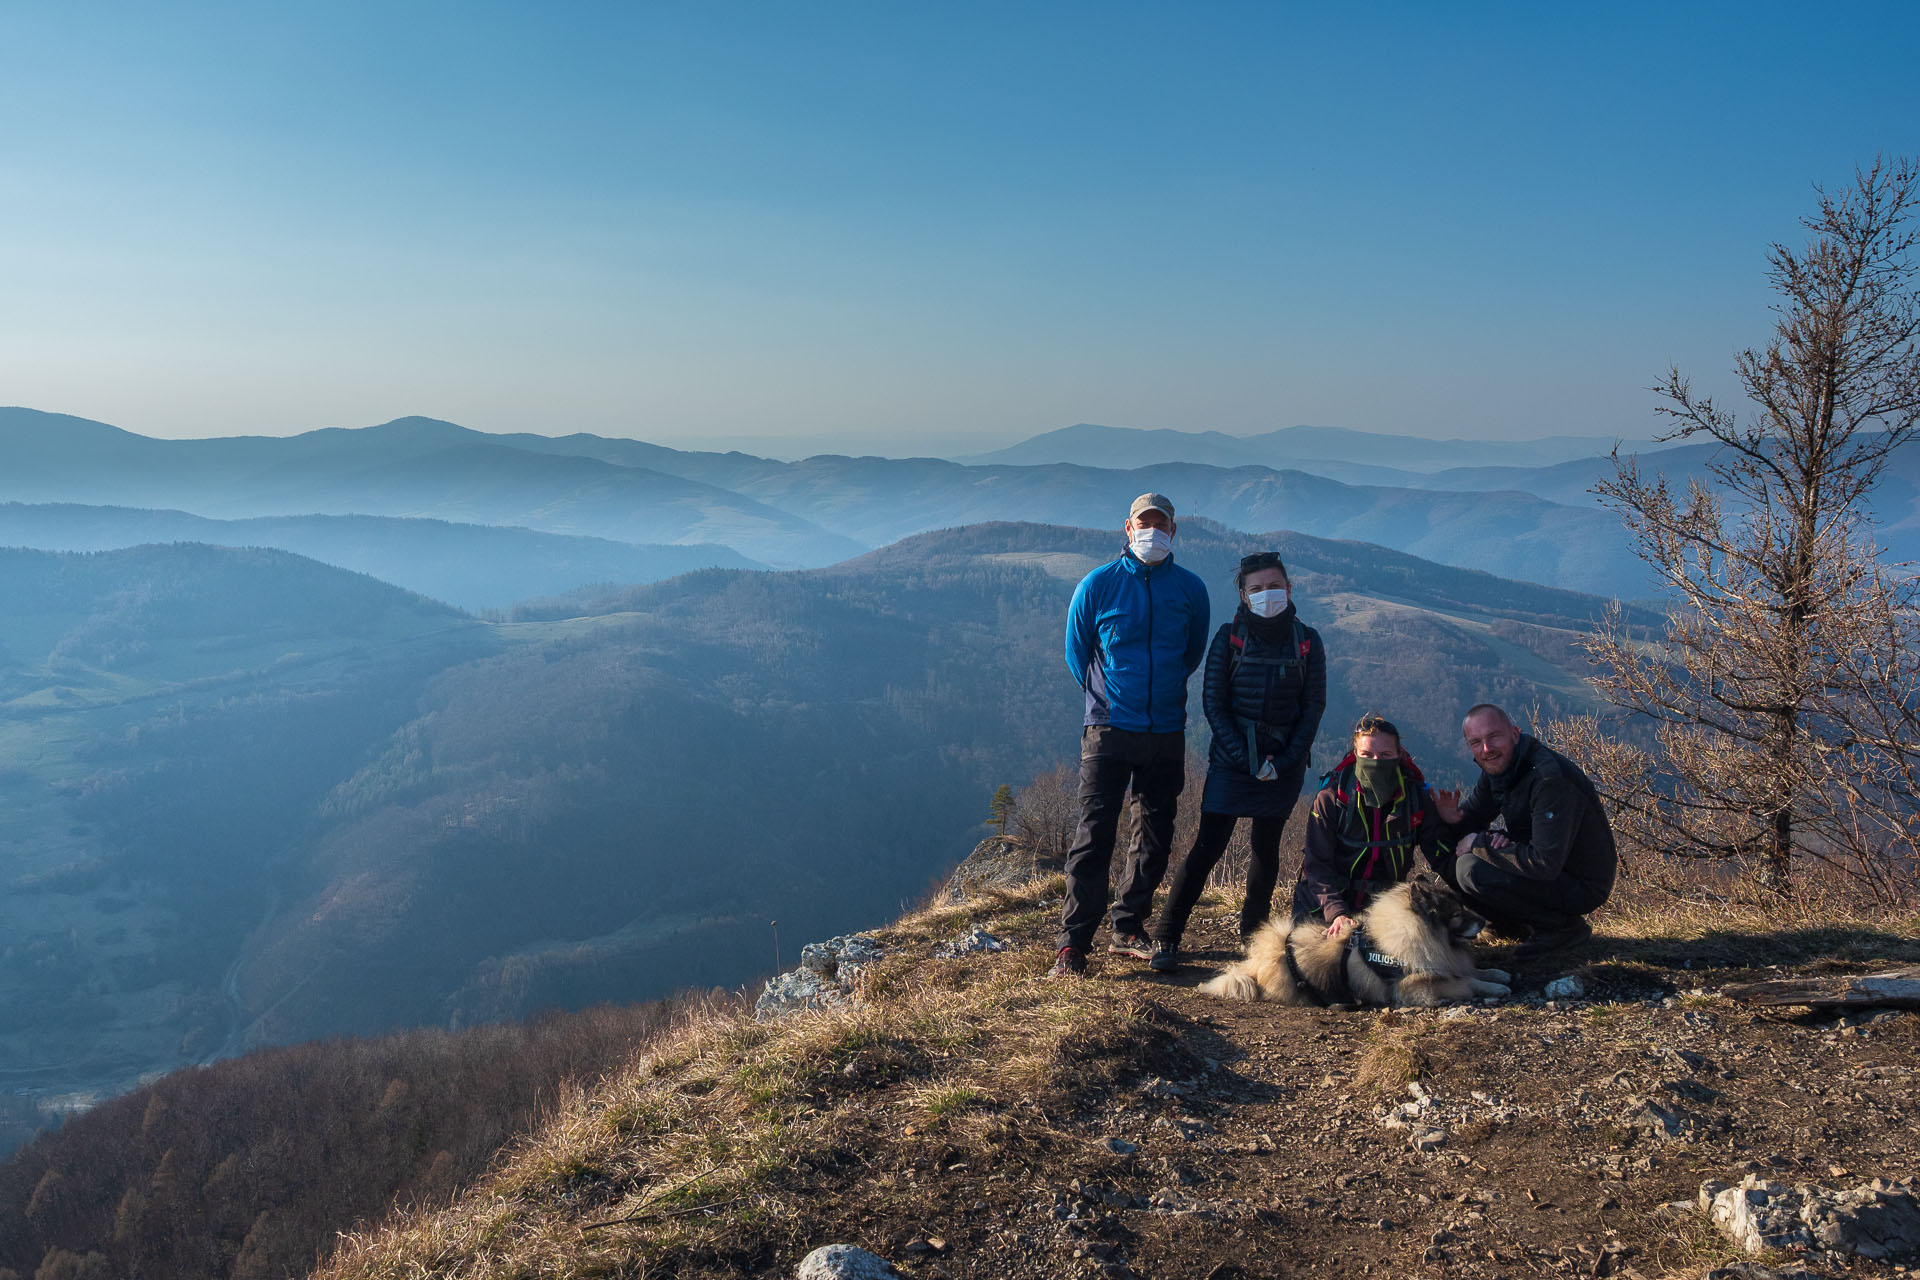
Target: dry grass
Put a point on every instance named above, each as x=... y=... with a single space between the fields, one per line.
x=1400 y=1049
x=711 y=1153
x=1670 y=915
x=718 y=1134
x=1392 y=1059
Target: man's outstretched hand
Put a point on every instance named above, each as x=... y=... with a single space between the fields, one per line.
x=1448 y=803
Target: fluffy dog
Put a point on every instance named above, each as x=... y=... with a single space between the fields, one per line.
x=1409 y=947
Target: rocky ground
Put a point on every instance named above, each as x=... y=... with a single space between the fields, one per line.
x=965 y=1117
x=1524 y=1138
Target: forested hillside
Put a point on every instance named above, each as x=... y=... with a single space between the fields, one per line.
x=251 y=1168
x=169 y=718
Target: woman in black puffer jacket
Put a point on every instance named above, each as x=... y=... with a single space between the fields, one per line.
x=1266 y=686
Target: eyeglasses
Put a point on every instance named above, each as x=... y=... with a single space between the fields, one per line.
x=1261 y=560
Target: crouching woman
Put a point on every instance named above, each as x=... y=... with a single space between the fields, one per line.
x=1265 y=690
x=1373 y=810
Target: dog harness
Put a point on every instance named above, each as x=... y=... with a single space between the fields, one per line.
x=1301 y=984
x=1384 y=966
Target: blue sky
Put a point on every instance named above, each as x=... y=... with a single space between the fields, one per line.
x=912 y=228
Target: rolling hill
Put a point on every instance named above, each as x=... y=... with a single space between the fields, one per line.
x=412 y=467
x=169 y=716
x=246 y=798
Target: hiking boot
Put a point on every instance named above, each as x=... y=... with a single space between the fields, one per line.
x=1071 y=962
x=1166 y=957
x=1137 y=945
x=1545 y=940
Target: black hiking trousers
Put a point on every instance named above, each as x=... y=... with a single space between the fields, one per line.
x=1516 y=905
x=1112 y=762
x=1190 y=878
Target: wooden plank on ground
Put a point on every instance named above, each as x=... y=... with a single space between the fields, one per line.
x=1893 y=989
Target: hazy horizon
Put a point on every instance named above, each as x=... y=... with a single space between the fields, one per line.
x=795 y=447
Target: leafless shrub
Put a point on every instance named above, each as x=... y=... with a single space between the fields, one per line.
x=1046 y=813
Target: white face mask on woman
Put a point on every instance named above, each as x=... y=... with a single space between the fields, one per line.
x=1150 y=545
x=1268 y=604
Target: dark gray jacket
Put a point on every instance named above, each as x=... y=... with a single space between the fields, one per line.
x=1553 y=818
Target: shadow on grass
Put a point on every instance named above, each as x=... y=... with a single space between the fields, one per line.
x=1208 y=1059
x=1828 y=948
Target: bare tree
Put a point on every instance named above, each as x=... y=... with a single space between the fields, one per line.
x=1046 y=813
x=1782 y=696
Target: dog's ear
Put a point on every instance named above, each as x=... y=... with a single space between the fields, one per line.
x=1424 y=895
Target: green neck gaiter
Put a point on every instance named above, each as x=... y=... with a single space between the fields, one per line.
x=1378 y=779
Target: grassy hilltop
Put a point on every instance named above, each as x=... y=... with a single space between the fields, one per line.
x=968 y=1118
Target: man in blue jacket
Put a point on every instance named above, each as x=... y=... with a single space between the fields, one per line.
x=1137 y=628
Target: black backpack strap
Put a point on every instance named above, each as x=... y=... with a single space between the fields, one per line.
x=1312 y=993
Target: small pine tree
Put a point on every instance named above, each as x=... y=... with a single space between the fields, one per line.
x=1000 y=808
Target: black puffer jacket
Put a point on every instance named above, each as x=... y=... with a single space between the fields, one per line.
x=1277 y=693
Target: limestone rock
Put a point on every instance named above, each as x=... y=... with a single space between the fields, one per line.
x=972 y=942
x=1758 y=1215
x=998 y=862
x=1877 y=1221
x=1880 y=1220
x=844 y=1262
x=1567 y=988
x=828 y=973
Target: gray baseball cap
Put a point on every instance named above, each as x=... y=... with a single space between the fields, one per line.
x=1151 y=501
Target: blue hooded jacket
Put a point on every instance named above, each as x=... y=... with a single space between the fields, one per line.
x=1135 y=632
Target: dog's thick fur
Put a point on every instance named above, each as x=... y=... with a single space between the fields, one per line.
x=1422 y=924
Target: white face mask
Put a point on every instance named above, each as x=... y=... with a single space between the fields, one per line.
x=1268 y=604
x=1150 y=546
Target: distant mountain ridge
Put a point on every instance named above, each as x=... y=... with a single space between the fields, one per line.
x=1290 y=447
x=475 y=567
x=802 y=514
x=1533 y=523
x=414 y=467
